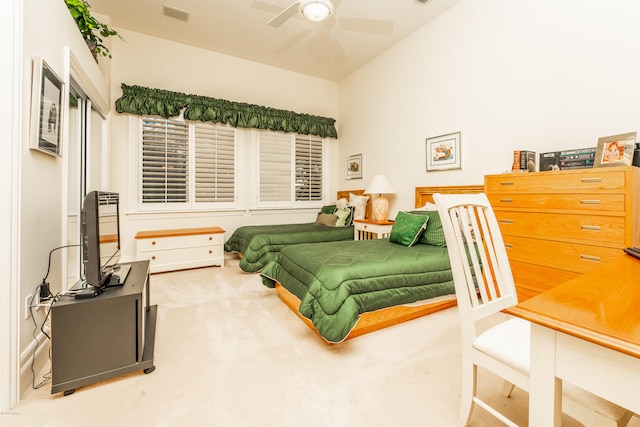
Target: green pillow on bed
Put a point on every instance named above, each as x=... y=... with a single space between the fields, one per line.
x=407 y=228
x=328 y=209
x=434 y=234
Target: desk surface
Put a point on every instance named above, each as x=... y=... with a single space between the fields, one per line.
x=601 y=306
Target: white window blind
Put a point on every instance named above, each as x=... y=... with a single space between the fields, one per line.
x=308 y=167
x=192 y=164
x=214 y=163
x=275 y=167
x=291 y=169
x=165 y=161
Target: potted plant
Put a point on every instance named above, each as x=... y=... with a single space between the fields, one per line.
x=91 y=29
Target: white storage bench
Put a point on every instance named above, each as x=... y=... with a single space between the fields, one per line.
x=181 y=248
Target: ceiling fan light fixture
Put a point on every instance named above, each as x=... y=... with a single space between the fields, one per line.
x=316 y=10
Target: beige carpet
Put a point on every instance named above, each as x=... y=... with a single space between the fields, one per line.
x=230 y=353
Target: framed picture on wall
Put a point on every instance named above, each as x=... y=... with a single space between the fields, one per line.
x=615 y=150
x=353 y=167
x=47 y=95
x=443 y=152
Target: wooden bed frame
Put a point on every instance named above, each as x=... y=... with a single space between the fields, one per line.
x=380 y=319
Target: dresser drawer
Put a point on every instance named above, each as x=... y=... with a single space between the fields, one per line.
x=162 y=243
x=588 y=202
x=177 y=259
x=550 y=182
x=574 y=257
x=606 y=230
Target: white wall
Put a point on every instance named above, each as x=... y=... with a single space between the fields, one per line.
x=541 y=76
x=156 y=63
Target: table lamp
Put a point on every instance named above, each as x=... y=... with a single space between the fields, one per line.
x=380 y=205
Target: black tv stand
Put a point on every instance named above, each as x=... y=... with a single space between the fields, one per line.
x=109 y=335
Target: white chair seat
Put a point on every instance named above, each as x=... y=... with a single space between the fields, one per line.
x=508 y=342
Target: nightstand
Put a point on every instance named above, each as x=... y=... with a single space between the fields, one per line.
x=368 y=229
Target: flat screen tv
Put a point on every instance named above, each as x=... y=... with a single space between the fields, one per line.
x=100 y=238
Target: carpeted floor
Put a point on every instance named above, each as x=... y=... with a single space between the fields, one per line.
x=230 y=353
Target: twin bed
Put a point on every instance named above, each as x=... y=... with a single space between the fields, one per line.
x=344 y=289
x=257 y=245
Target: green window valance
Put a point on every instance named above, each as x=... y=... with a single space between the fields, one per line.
x=145 y=101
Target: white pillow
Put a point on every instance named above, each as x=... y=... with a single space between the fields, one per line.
x=428 y=207
x=359 y=204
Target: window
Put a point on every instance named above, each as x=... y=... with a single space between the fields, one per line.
x=187 y=165
x=291 y=172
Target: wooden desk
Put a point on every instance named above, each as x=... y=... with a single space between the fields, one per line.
x=587 y=332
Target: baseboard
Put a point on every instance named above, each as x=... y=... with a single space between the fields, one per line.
x=40 y=346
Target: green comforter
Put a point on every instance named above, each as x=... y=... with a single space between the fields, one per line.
x=259 y=244
x=338 y=281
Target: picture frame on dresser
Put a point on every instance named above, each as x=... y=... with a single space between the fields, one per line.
x=47 y=97
x=443 y=152
x=615 y=150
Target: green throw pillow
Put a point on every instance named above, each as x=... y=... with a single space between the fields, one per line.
x=328 y=209
x=434 y=234
x=407 y=228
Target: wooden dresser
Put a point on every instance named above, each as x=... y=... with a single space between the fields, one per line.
x=559 y=224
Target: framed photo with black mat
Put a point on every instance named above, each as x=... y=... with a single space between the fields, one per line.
x=47 y=95
x=615 y=150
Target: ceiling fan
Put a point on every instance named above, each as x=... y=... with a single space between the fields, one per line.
x=313 y=10
x=324 y=10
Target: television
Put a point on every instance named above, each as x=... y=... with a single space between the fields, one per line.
x=100 y=227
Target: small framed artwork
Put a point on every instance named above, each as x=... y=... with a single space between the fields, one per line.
x=353 y=167
x=443 y=152
x=47 y=95
x=615 y=150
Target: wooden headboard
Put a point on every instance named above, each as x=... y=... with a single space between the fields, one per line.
x=425 y=194
x=344 y=194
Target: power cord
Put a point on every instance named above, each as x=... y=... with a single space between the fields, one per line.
x=44 y=294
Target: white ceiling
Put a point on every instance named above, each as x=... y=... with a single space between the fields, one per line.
x=239 y=28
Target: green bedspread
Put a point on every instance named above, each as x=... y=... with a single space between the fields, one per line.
x=338 y=281
x=259 y=244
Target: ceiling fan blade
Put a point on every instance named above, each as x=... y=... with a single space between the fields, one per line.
x=372 y=26
x=333 y=26
x=283 y=16
x=291 y=42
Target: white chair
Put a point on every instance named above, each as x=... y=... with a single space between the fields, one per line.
x=484 y=287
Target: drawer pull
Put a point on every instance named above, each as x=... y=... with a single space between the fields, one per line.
x=153 y=242
x=590 y=258
x=508 y=245
x=506 y=200
x=506 y=182
x=506 y=221
x=590 y=227
x=591 y=180
x=590 y=202
x=153 y=257
x=210 y=251
x=210 y=238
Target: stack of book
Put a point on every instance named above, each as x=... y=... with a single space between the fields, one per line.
x=523 y=161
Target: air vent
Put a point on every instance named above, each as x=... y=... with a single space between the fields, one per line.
x=173 y=12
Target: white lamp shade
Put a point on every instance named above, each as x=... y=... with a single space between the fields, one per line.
x=316 y=10
x=380 y=185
